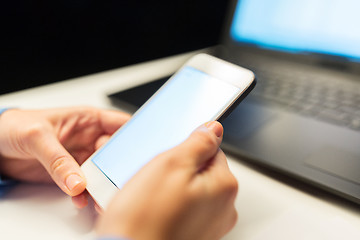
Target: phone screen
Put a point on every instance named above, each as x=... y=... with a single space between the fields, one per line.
x=189 y=99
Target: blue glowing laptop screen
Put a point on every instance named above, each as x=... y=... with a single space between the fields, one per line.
x=319 y=26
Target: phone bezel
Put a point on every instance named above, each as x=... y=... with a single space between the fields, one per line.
x=101 y=188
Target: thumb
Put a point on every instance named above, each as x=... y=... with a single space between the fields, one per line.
x=202 y=144
x=61 y=166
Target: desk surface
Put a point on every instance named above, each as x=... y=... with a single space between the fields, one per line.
x=269 y=207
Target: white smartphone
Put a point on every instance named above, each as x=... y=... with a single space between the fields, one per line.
x=204 y=89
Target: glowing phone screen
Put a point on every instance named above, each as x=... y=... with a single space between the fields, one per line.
x=188 y=100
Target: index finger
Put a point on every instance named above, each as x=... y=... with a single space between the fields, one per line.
x=60 y=165
x=111 y=120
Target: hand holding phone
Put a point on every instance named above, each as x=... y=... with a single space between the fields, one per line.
x=203 y=90
x=187 y=192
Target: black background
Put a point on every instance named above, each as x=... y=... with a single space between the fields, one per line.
x=48 y=41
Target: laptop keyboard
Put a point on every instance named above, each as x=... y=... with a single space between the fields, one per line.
x=305 y=93
x=334 y=102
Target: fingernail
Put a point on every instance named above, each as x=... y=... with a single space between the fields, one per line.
x=72 y=181
x=215 y=127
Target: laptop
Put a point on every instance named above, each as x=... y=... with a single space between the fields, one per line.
x=303 y=117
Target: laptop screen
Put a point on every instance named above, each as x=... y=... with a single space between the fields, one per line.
x=314 y=26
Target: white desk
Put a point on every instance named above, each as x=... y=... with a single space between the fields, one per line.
x=268 y=208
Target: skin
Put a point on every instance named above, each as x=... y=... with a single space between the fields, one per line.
x=49 y=145
x=187 y=192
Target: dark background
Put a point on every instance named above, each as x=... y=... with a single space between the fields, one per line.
x=48 y=41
